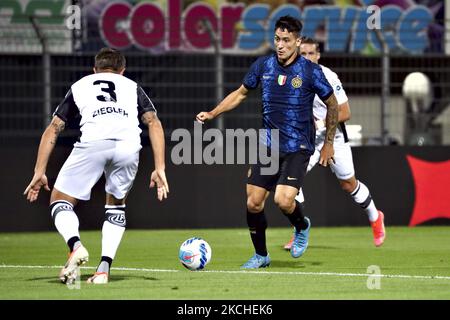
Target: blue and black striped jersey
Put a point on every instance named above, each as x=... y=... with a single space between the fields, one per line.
x=287 y=99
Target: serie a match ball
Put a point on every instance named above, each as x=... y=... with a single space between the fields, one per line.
x=195 y=254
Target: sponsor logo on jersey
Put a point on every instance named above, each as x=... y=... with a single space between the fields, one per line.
x=107 y=110
x=282 y=80
x=296 y=82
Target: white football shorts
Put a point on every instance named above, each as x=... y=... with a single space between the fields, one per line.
x=343 y=167
x=117 y=160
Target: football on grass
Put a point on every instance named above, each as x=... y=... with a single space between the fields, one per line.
x=195 y=254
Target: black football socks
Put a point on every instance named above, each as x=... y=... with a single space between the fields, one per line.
x=297 y=217
x=257 y=224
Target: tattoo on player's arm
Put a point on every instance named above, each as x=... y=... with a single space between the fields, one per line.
x=331 y=120
x=149 y=117
x=57 y=126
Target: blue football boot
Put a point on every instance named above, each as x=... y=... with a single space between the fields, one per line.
x=300 y=242
x=256 y=262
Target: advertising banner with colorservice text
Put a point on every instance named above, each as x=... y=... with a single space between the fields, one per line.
x=246 y=27
x=233 y=27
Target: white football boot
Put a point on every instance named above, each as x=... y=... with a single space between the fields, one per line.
x=98 y=278
x=77 y=257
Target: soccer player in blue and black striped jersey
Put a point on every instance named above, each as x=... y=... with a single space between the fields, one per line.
x=289 y=83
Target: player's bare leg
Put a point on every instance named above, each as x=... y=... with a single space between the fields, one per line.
x=361 y=196
x=112 y=232
x=293 y=210
x=66 y=222
x=257 y=224
x=285 y=198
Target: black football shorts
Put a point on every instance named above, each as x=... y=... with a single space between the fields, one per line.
x=291 y=171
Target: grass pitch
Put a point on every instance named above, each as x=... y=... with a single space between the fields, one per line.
x=414 y=264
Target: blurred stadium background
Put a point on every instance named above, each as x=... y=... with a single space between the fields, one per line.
x=401 y=147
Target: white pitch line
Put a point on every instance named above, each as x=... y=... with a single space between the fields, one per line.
x=333 y=274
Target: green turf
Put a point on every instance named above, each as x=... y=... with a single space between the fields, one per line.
x=421 y=251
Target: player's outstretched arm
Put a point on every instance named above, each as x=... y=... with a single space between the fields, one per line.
x=331 y=122
x=156 y=135
x=230 y=102
x=48 y=142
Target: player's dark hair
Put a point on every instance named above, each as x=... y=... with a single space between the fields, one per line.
x=108 y=58
x=290 y=24
x=307 y=40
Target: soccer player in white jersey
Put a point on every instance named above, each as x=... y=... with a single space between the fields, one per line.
x=110 y=106
x=343 y=162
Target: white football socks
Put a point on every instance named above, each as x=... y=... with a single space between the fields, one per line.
x=361 y=196
x=65 y=219
x=113 y=229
